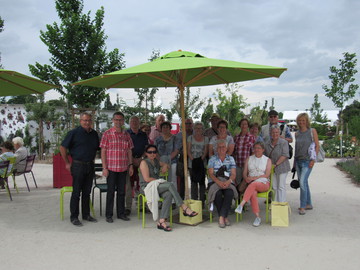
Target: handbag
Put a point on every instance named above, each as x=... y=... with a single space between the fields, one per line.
x=291 y=150
x=280 y=212
x=320 y=156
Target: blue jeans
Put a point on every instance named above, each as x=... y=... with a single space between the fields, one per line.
x=303 y=172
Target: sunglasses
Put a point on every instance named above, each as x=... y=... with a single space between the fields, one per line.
x=273 y=116
x=151 y=152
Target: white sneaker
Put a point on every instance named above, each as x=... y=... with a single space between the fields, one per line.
x=211 y=207
x=257 y=222
x=239 y=209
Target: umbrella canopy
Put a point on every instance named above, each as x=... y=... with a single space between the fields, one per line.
x=13 y=83
x=183 y=69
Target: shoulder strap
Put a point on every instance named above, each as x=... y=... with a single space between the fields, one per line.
x=312 y=135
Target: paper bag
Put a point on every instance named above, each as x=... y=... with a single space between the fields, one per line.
x=280 y=214
x=195 y=206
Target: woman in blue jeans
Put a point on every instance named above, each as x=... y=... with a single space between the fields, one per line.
x=302 y=161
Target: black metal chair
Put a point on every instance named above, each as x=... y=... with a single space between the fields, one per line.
x=4 y=165
x=28 y=169
x=101 y=186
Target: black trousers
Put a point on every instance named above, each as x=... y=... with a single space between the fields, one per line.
x=223 y=199
x=115 y=182
x=83 y=175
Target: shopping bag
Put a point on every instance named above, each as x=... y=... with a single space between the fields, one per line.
x=195 y=206
x=280 y=212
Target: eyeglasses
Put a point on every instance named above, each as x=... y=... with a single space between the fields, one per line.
x=151 y=152
x=273 y=116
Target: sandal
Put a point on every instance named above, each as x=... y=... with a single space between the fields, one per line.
x=192 y=214
x=162 y=226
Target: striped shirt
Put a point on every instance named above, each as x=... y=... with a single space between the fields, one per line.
x=117 y=145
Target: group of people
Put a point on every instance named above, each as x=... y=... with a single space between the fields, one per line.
x=136 y=160
x=10 y=149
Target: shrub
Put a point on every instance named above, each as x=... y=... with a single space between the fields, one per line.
x=352 y=167
x=332 y=147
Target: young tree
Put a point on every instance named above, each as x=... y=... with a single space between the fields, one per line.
x=40 y=112
x=78 y=52
x=342 y=88
x=230 y=105
x=208 y=111
x=316 y=111
x=192 y=104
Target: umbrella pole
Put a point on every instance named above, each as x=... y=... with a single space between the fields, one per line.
x=184 y=143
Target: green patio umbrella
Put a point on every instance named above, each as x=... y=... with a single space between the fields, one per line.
x=13 y=83
x=183 y=69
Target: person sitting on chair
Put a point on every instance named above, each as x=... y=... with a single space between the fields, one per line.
x=21 y=154
x=7 y=150
x=150 y=169
x=256 y=172
x=222 y=174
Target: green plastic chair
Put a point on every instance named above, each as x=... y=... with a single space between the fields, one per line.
x=264 y=195
x=63 y=190
x=4 y=165
x=142 y=199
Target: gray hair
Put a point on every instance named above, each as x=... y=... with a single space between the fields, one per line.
x=198 y=123
x=18 y=140
x=221 y=142
x=274 y=127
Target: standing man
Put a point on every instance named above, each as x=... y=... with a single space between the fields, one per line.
x=116 y=155
x=274 y=121
x=212 y=131
x=156 y=130
x=82 y=143
x=140 y=141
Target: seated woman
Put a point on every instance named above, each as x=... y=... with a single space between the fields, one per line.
x=222 y=173
x=7 y=151
x=256 y=172
x=20 y=154
x=150 y=169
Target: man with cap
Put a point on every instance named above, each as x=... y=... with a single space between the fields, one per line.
x=274 y=121
x=212 y=131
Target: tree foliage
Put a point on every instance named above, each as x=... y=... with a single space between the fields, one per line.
x=316 y=111
x=208 y=111
x=342 y=88
x=230 y=105
x=40 y=112
x=351 y=116
x=78 y=50
x=192 y=104
x=22 y=99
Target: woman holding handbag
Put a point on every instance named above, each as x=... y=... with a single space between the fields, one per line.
x=302 y=161
x=278 y=151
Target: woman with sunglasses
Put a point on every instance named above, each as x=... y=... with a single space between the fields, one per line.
x=150 y=169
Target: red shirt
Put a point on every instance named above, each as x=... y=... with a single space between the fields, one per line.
x=243 y=148
x=117 y=145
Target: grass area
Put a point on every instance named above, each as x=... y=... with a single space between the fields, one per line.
x=351 y=166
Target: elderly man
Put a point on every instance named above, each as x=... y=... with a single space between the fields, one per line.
x=140 y=141
x=116 y=156
x=156 y=130
x=20 y=153
x=212 y=131
x=83 y=143
x=274 y=121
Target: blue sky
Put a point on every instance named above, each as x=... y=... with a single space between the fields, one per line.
x=307 y=37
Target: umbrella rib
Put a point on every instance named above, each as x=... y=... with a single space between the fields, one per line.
x=202 y=74
x=121 y=82
x=21 y=86
x=30 y=79
x=258 y=72
x=219 y=78
x=167 y=79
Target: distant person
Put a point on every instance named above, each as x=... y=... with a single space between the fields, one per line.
x=7 y=151
x=117 y=161
x=146 y=128
x=82 y=143
x=156 y=129
x=21 y=154
x=303 y=161
x=213 y=130
x=254 y=130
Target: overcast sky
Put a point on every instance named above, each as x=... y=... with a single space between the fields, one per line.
x=306 y=37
